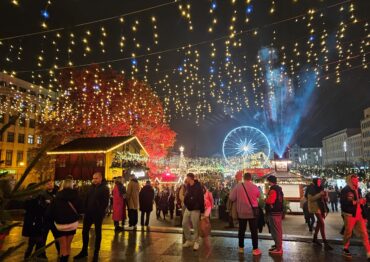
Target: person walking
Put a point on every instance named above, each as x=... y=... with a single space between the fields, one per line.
x=157 y=207
x=194 y=209
x=163 y=202
x=333 y=199
x=274 y=211
x=208 y=202
x=95 y=207
x=146 y=198
x=49 y=195
x=171 y=202
x=354 y=214
x=119 y=207
x=132 y=196
x=246 y=195
x=65 y=211
x=317 y=206
x=34 y=223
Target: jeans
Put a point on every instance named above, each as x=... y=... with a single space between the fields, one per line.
x=310 y=221
x=334 y=206
x=275 y=222
x=132 y=217
x=147 y=217
x=158 y=212
x=193 y=217
x=359 y=224
x=87 y=223
x=254 y=231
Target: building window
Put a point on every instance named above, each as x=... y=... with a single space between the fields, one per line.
x=32 y=123
x=22 y=122
x=10 y=137
x=39 y=140
x=20 y=158
x=8 y=157
x=21 y=138
x=31 y=139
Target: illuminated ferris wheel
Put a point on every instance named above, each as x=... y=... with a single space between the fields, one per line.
x=246 y=143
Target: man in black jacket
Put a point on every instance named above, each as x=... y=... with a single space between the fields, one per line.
x=194 y=208
x=354 y=214
x=95 y=207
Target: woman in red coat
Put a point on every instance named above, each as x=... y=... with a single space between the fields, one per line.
x=119 y=206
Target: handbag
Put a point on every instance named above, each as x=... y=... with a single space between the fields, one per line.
x=256 y=210
x=70 y=226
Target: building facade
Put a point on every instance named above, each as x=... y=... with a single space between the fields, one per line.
x=355 y=150
x=337 y=145
x=23 y=102
x=305 y=156
x=365 y=132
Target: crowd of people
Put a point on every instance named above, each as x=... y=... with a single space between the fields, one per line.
x=59 y=211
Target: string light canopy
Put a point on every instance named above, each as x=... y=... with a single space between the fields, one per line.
x=208 y=59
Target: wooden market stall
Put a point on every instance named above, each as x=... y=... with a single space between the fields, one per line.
x=82 y=157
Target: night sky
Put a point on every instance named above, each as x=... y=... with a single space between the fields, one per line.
x=332 y=106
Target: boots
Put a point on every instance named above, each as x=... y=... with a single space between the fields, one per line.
x=327 y=246
x=315 y=241
x=81 y=255
x=63 y=258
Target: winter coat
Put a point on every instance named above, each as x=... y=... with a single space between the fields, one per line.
x=194 y=198
x=132 y=194
x=231 y=208
x=163 y=201
x=146 y=198
x=61 y=211
x=348 y=195
x=97 y=201
x=243 y=206
x=34 y=222
x=119 y=205
x=333 y=196
x=208 y=203
x=171 y=201
x=315 y=201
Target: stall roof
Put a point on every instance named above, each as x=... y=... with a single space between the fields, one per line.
x=94 y=145
x=284 y=175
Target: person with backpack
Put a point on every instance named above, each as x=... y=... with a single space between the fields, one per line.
x=274 y=211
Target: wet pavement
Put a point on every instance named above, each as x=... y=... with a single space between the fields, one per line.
x=156 y=246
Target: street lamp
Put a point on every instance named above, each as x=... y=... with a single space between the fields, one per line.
x=182 y=149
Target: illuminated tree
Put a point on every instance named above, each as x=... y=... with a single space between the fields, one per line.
x=100 y=102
